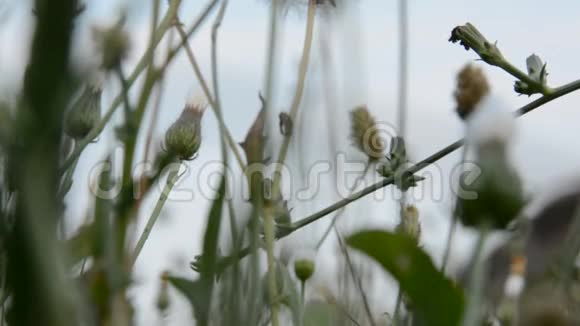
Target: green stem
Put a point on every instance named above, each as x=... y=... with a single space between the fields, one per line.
x=514 y=71
x=398 y=306
x=454 y=221
x=476 y=282
x=210 y=99
x=171 y=179
x=557 y=93
x=303 y=69
x=355 y=278
x=342 y=210
x=165 y=24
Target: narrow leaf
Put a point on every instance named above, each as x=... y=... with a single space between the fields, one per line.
x=436 y=301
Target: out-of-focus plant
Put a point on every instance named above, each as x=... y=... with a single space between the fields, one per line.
x=51 y=277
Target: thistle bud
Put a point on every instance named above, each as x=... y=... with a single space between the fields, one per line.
x=113 y=44
x=472 y=86
x=85 y=113
x=470 y=38
x=183 y=138
x=409 y=223
x=365 y=134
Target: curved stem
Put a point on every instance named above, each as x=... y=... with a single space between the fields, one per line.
x=210 y=99
x=342 y=210
x=171 y=179
x=303 y=69
x=559 y=92
x=476 y=279
x=165 y=24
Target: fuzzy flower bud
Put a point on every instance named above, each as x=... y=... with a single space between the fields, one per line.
x=113 y=43
x=365 y=133
x=183 y=138
x=409 y=223
x=472 y=86
x=470 y=38
x=85 y=113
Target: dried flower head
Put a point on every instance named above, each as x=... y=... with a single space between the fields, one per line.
x=365 y=133
x=113 y=44
x=85 y=112
x=409 y=223
x=472 y=86
x=183 y=138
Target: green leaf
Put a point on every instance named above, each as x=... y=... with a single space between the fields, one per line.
x=194 y=291
x=436 y=301
x=199 y=292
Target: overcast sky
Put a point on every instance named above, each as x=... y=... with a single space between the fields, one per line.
x=362 y=42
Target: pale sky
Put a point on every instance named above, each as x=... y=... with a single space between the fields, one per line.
x=363 y=53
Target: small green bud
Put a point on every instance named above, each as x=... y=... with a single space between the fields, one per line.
x=470 y=38
x=183 y=138
x=304 y=268
x=85 y=113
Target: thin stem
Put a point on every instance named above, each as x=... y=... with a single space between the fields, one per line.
x=403 y=67
x=514 y=71
x=398 y=306
x=342 y=210
x=210 y=99
x=557 y=93
x=303 y=69
x=454 y=220
x=171 y=179
x=355 y=277
x=476 y=280
x=165 y=24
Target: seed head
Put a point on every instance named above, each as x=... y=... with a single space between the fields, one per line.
x=472 y=86
x=85 y=113
x=113 y=44
x=409 y=223
x=365 y=133
x=183 y=138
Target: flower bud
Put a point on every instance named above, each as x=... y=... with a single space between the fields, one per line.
x=537 y=72
x=472 y=86
x=470 y=38
x=113 y=43
x=85 y=113
x=303 y=268
x=409 y=223
x=183 y=138
x=365 y=133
